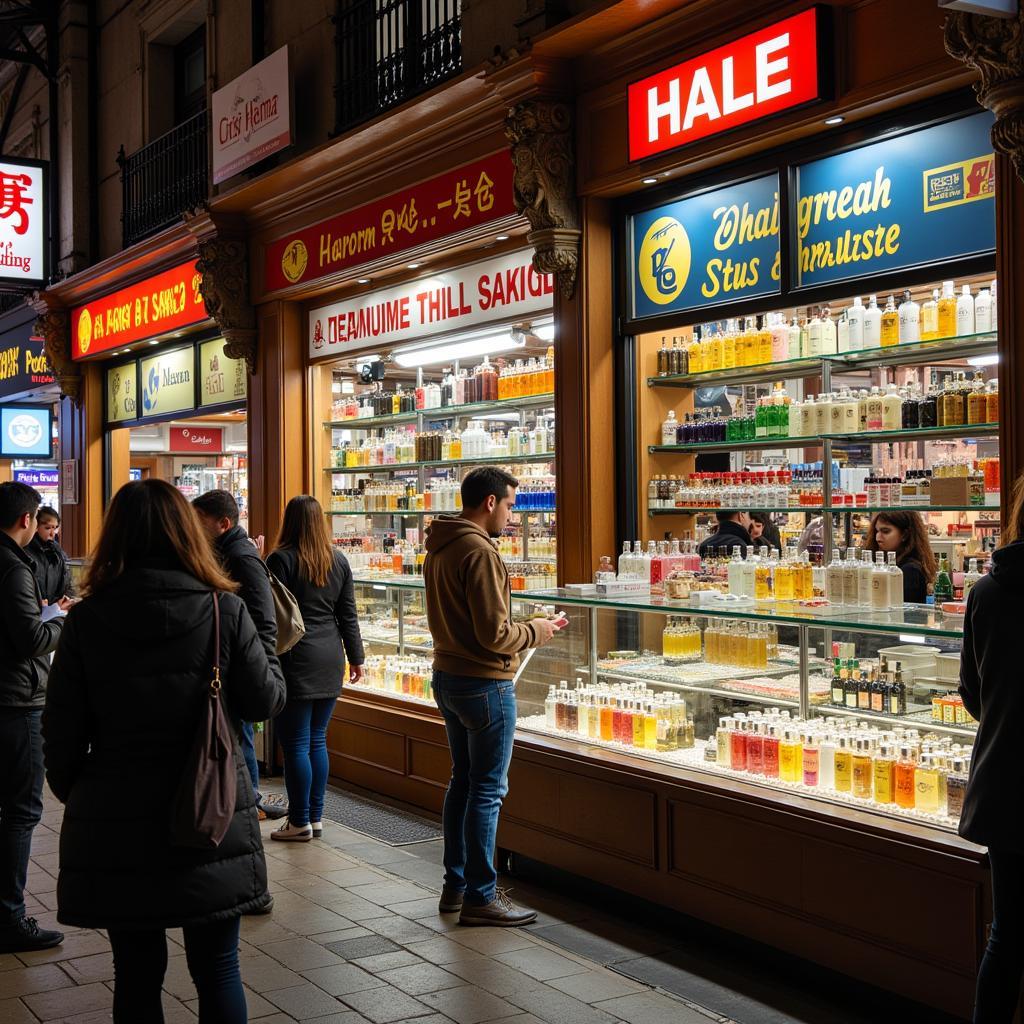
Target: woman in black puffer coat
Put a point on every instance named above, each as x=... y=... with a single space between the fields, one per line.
x=126 y=694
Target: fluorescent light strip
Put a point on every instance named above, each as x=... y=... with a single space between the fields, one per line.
x=480 y=345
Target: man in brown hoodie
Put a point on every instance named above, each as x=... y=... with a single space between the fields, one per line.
x=476 y=654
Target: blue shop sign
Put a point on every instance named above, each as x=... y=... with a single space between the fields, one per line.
x=706 y=250
x=917 y=199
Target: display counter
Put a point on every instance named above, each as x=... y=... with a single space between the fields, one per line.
x=732 y=763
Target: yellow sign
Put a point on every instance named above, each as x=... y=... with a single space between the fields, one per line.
x=294 y=260
x=221 y=379
x=664 y=262
x=121 y=393
x=84 y=332
x=168 y=382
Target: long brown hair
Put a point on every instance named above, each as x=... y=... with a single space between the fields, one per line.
x=1014 y=529
x=150 y=519
x=304 y=528
x=914 y=543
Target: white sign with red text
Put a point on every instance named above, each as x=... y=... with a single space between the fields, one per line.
x=499 y=289
x=22 y=221
x=252 y=116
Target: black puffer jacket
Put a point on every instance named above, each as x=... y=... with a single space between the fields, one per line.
x=243 y=564
x=53 y=573
x=314 y=666
x=125 y=698
x=25 y=640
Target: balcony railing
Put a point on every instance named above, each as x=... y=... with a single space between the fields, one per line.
x=390 y=50
x=162 y=180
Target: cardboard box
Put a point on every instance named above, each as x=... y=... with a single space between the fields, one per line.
x=951 y=490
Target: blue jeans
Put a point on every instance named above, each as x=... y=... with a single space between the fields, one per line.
x=21 y=804
x=248 y=746
x=1001 y=968
x=211 y=952
x=302 y=730
x=480 y=719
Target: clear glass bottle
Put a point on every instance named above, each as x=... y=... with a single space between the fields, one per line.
x=930 y=317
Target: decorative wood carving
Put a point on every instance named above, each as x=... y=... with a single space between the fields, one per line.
x=224 y=265
x=52 y=327
x=545 y=185
x=994 y=47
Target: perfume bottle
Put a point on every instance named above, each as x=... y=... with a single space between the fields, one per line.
x=926 y=785
x=904 y=776
x=862 y=770
x=843 y=760
x=855 y=325
x=930 y=317
x=879 y=583
x=909 y=319
x=884 y=767
x=956 y=788
x=943 y=588
x=810 y=761
x=890 y=330
x=965 y=312
x=983 y=312
x=947 y=311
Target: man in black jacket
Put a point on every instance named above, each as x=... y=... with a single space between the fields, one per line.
x=218 y=513
x=53 y=573
x=25 y=643
x=732 y=532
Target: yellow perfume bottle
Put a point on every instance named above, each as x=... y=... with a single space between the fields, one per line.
x=862 y=770
x=883 y=773
x=790 y=758
x=843 y=766
x=947 y=311
x=890 y=324
x=729 y=349
x=694 y=357
x=926 y=786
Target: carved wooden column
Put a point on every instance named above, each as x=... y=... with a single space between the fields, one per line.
x=994 y=47
x=578 y=254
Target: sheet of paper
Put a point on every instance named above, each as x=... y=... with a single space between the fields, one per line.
x=51 y=611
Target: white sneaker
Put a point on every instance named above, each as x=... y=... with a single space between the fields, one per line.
x=289 y=833
x=318 y=829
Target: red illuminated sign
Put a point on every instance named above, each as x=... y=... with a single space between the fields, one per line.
x=459 y=199
x=196 y=439
x=166 y=302
x=768 y=71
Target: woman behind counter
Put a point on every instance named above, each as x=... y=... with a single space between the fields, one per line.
x=906 y=534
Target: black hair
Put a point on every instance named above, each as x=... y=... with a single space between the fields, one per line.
x=15 y=500
x=727 y=516
x=219 y=504
x=47 y=512
x=483 y=481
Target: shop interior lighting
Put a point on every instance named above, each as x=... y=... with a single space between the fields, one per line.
x=505 y=417
x=363 y=280
x=991 y=360
x=830 y=121
x=412 y=266
x=546 y=332
x=154 y=342
x=503 y=238
x=466 y=347
x=650 y=181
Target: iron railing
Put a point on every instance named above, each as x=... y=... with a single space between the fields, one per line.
x=390 y=50
x=163 y=179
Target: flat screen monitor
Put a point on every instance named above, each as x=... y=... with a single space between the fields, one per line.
x=26 y=431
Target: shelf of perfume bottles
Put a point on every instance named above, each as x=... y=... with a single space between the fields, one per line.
x=443 y=412
x=538 y=458
x=904 y=353
x=405 y=514
x=695 y=510
x=917 y=715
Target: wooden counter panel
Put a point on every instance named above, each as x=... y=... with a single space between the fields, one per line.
x=368 y=745
x=428 y=762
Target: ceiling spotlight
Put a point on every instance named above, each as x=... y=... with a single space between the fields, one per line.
x=363 y=280
x=503 y=238
x=830 y=121
x=412 y=266
x=154 y=342
x=650 y=181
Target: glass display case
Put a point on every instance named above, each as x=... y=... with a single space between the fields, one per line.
x=846 y=706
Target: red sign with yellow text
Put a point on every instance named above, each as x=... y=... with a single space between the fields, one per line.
x=451 y=202
x=163 y=303
x=773 y=69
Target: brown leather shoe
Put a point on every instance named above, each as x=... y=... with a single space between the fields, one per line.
x=501 y=912
x=450 y=902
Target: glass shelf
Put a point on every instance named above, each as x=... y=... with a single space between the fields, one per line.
x=727 y=446
x=696 y=510
x=411 y=467
x=920 y=351
x=919 y=715
x=435 y=512
x=443 y=413
x=395 y=582
x=919 y=434
x=916 y=619
x=803 y=367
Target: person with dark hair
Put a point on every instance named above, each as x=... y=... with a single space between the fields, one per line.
x=128 y=689
x=53 y=572
x=906 y=534
x=318 y=574
x=25 y=644
x=991 y=692
x=733 y=531
x=218 y=515
x=476 y=654
x=764 y=532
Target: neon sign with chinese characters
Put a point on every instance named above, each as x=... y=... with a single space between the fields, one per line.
x=463 y=198
x=23 y=227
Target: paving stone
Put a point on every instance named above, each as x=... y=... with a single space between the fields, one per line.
x=541 y=963
x=387 y=961
x=265 y=975
x=74 y=945
x=353 y=876
x=416 y=870
x=594 y=986
x=398 y=929
x=86 y=969
x=355 y=908
x=32 y=979
x=383 y=892
x=442 y=950
x=469 y=1005
x=342 y=978
x=254 y=1003
x=346 y=933
x=603 y=942
x=369 y=945
x=258 y=930
x=493 y=976
x=385 y=1005
x=376 y=853
x=491 y=941
x=300 y=954
x=14 y=1011
x=415 y=979
x=68 y=1002
x=557 y=1008
x=417 y=909
x=652 y=1008
x=303 y=1001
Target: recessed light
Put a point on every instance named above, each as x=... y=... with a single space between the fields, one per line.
x=154 y=343
x=412 y=266
x=650 y=181
x=363 y=280
x=125 y=352
x=502 y=238
x=834 y=120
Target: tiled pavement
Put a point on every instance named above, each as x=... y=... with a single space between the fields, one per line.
x=355 y=937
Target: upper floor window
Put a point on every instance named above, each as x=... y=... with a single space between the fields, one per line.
x=190 y=75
